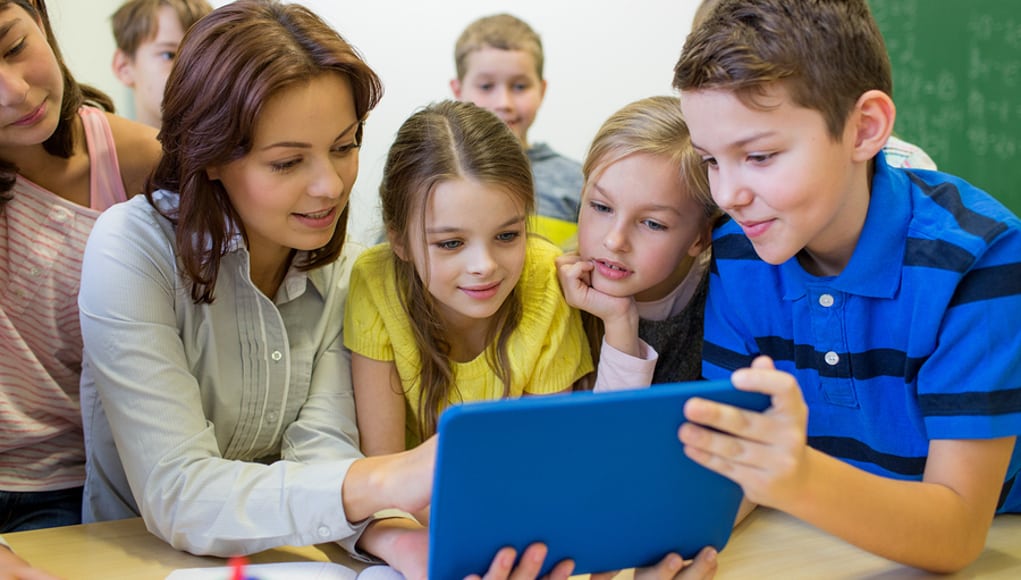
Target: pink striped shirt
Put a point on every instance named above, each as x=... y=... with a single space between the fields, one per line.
x=42 y=238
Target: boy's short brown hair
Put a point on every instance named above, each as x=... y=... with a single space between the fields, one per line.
x=826 y=53
x=136 y=20
x=502 y=31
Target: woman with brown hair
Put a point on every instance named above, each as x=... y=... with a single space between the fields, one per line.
x=216 y=393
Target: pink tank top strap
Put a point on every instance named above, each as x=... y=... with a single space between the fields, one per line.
x=105 y=172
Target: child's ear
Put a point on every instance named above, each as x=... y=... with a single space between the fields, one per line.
x=396 y=246
x=874 y=115
x=705 y=237
x=124 y=68
x=455 y=87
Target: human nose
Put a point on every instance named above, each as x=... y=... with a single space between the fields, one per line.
x=502 y=98
x=13 y=88
x=328 y=182
x=728 y=189
x=616 y=239
x=481 y=262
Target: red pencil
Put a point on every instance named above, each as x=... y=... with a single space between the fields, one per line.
x=237 y=564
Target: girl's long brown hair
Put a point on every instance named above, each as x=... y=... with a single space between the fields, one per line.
x=445 y=141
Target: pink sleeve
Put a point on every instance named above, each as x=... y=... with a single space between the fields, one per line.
x=619 y=371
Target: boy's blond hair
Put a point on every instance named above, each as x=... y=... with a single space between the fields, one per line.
x=826 y=53
x=137 y=20
x=652 y=126
x=501 y=31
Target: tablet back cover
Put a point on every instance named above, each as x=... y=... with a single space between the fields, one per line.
x=600 y=478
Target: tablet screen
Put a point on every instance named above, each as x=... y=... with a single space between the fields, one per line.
x=600 y=478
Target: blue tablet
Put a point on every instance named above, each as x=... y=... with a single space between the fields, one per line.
x=600 y=478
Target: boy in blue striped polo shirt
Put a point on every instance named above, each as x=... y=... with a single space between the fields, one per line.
x=879 y=307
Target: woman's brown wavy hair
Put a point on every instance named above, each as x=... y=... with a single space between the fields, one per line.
x=229 y=66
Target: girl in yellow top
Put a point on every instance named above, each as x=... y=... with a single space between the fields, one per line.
x=461 y=304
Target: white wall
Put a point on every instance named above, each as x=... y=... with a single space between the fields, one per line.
x=600 y=55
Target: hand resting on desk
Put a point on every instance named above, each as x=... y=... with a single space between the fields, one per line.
x=14 y=568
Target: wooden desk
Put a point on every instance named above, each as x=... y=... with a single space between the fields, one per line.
x=768 y=544
x=125 y=550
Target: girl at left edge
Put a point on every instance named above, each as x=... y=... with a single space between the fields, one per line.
x=64 y=158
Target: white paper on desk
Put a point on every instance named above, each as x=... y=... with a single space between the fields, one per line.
x=380 y=573
x=281 y=571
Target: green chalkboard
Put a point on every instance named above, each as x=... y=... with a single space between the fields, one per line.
x=957 y=86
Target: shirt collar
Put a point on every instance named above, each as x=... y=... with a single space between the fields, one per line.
x=295 y=281
x=876 y=265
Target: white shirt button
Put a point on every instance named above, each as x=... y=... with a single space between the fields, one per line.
x=276 y=355
x=323 y=531
x=271 y=417
x=826 y=300
x=832 y=358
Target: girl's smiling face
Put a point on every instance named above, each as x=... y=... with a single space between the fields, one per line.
x=31 y=86
x=474 y=249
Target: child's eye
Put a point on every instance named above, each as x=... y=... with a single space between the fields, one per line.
x=519 y=87
x=654 y=225
x=709 y=162
x=284 y=166
x=507 y=236
x=449 y=244
x=599 y=207
x=760 y=157
x=167 y=55
x=486 y=87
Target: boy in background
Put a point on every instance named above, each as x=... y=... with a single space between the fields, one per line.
x=878 y=307
x=499 y=61
x=148 y=33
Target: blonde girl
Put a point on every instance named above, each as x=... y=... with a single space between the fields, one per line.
x=641 y=268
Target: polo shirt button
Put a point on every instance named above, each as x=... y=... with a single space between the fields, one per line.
x=323 y=531
x=832 y=358
x=276 y=355
x=826 y=300
x=271 y=417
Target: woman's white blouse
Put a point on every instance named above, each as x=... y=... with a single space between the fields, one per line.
x=234 y=422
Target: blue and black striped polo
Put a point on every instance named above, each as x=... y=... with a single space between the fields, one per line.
x=919 y=338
